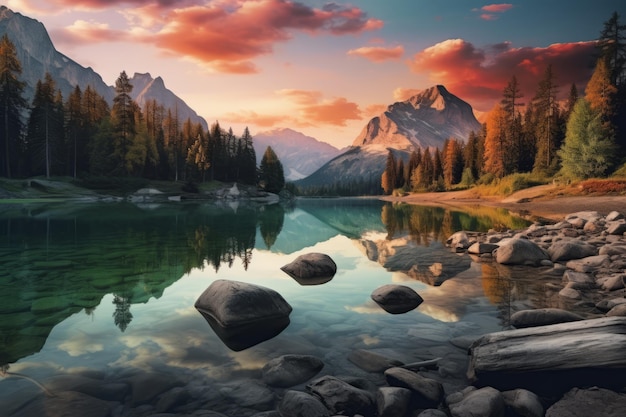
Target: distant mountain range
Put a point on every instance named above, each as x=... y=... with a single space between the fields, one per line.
x=423 y=121
x=300 y=155
x=38 y=55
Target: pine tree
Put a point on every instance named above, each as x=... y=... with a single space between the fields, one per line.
x=496 y=143
x=247 y=160
x=612 y=44
x=600 y=93
x=588 y=149
x=123 y=119
x=12 y=103
x=388 y=180
x=271 y=172
x=547 y=121
x=452 y=161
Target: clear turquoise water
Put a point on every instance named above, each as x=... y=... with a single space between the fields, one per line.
x=109 y=290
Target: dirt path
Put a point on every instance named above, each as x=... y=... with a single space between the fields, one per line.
x=544 y=201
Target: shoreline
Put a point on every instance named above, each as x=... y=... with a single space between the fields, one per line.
x=545 y=202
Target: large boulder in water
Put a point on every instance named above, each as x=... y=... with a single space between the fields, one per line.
x=243 y=314
x=311 y=269
x=542 y=317
x=396 y=299
x=520 y=251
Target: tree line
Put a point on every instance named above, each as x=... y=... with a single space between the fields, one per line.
x=581 y=138
x=83 y=136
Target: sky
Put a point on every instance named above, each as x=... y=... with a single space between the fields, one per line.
x=326 y=68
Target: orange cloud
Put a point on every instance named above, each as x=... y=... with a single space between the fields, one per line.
x=261 y=120
x=497 y=8
x=378 y=53
x=403 y=94
x=93 y=32
x=479 y=75
x=226 y=35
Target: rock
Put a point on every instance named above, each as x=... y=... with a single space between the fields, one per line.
x=570 y=293
x=564 y=250
x=597 y=402
x=578 y=280
x=588 y=264
x=249 y=393
x=458 y=241
x=484 y=402
x=311 y=269
x=426 y=392
x=431 y=412
x=542 y=317
x=289 y=370
x=520 y=252
x=613 y=282
x=109 y=391
x=392 y=401
x=614 y=215
x=606 y=305
x=301 y=404
x=612 y=249
x=616 y=228
x=372 y=362
x=617 y=311
x=588 y=215
x=480 y=248
x=65 y=404
x=145 y=387
x=523 y=403
x=172 y=399
x=396 y=299
x=342 y=398
x=242 y=314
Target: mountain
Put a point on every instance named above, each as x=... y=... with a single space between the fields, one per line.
x=300 y=155
x=423 y=121
x=38 y=55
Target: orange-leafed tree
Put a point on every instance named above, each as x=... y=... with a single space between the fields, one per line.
x=495 y=143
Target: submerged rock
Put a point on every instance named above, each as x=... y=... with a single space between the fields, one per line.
x=342 y=398
x=392 y=401
x=484 y=402
x=372 y=362
x=597 y=402
x=289 y=370
x=542 y=317
x=426 y=392
x=301 y=404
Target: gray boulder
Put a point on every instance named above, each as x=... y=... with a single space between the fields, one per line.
x=301 y=404
x=484 y=402
x=458 y=241
x=564 y=250
x=617 y=227
x=542 y=317
x=480 y=248
x=243 y=314
x=342 y=398
x=588 y=264
x=523 y=403
x=311 y=269
x=427 y=392
x=396 y=299
x=289 y=370
x=618 y=310
x=578 y=280
x=393 y=401
x=596 y=402
x=520 y=251
x=249 y=393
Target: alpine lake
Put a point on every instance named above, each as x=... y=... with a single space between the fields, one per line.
x=99 y=298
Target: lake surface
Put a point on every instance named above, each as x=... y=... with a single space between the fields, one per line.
x=106 y=292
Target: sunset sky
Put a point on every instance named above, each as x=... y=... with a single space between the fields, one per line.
x=326 y=68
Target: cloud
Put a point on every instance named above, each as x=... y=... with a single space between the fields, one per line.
x=497 y=8
x=479 y=75
x=82 y=31
x=403 y=94
x=378 y=53
x=226 y=35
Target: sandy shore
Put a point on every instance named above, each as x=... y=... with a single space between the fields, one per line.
x=545 y=201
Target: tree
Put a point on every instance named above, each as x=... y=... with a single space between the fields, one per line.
x=388 y=180
x=588 y=148
x=612 y=44
x=247 y=159
x=74 y=122
x=496 y=162
x=12 y=104
x=547 y=121
x=271 y=175
x=512 y=123
x=600 y=93
x=452 y=161
x=123 y=119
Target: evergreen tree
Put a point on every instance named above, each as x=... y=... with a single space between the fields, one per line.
x=123 y=119
x=497 y=161
x=472 y=155
x=247 y=159
x=437 y=167
x=547 y=121
x=271 y=173
x=452 y=161
x=588 y=149
x=414 y=160
x=572 y=98
x=74 y=128
x=12 y=103
x=388 y=180
x=600 y=93
x=612 y=44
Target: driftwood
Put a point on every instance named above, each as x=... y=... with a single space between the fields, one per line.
x=581 y=353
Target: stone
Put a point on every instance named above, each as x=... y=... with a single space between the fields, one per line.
x=613 y=282
x=570 y=293
x=520 y=252
x=311 y=269
x=342 y=398
x=289 y=370
x=480 y=248
x=66 y=404
x=249 y=393
x=301 y=404
x=589 y=215
x=588 y=264
x=458 y=241
x=392 y=401
x=145 y=387
x=484 y=402
x=541 y=317
x=372 y=362
x=243 y=314
x=523 y=403
x=431 y=412
x=396 y=299
x=612 y=249
x=564 y=250
x=616 y=228
x=427 y=392
x=579 y=280
x=617 y=311
x=614 y=215
x=596 y=402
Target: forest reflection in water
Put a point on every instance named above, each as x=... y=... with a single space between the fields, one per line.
x=64 y=259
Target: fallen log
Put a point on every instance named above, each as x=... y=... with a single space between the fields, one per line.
x=552 y=357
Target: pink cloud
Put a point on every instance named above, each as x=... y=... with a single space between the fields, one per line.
x=487 y=16
x=479 y=75
x=378 y=53
x=227 y=35
x=497 y=8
